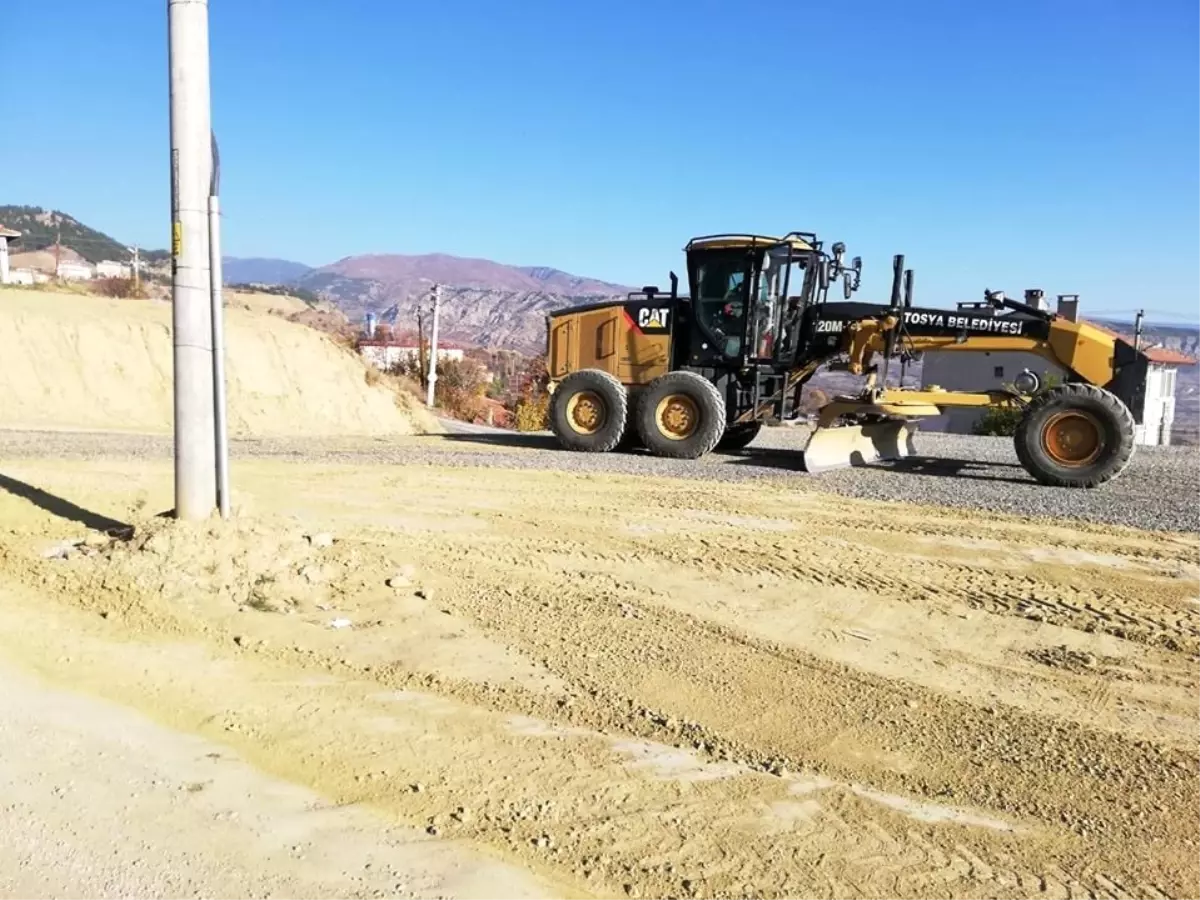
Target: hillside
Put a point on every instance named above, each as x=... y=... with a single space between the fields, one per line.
x=40 y=227
x=484 y=302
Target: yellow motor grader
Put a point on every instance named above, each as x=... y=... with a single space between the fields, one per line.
x=686 y=375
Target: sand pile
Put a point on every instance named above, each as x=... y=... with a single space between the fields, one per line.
x=84 y=362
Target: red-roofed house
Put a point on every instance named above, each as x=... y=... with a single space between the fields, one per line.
x=984 y=371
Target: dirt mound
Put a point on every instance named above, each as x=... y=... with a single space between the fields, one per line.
x=91 y=363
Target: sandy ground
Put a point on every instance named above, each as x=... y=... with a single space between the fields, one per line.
x=77 y=361
x=634 y=686
x=88 y=787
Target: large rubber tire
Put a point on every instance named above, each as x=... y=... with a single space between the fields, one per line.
x=588 y=411
x=738 y=437
x=1075 y=435
x=690 y=402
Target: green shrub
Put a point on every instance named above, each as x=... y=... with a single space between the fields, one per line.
x=1002 y=421
x=533 y=413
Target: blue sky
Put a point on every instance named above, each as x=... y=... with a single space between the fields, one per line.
x=1014 y=145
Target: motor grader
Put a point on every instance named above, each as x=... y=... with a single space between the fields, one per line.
x=685 y=375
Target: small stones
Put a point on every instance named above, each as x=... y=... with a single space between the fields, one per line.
x=321 y=539
x=417 y=788
x=60 y=550
x=312 y=574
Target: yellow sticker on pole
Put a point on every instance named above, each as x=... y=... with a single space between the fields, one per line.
x=177 y=239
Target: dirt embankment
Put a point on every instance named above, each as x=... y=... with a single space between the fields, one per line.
x=653 y=688
x=81 y=362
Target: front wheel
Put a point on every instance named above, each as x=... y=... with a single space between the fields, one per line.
x=1075 y=435
x=680 y=415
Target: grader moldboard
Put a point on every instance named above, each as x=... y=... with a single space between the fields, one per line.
x=682 y=376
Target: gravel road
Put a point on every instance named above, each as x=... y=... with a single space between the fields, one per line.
x=1157 y=492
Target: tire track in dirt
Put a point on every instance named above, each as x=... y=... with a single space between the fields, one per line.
x=1165 y=622
x=772 y=707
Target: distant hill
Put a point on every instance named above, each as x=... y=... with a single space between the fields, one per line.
x=40 y=227
x=485 y=303
x=259 y=270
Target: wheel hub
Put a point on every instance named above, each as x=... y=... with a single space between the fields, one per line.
x=1073 y=438
x=678 y=416
x=585 y=412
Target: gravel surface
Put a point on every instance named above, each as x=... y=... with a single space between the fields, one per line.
x=1158 y=491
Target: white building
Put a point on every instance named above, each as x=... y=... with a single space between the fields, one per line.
x=5 y=235
x=109 y=269
x=24 y=276
x=74 y=271
x=384 y=354
x=979 y=371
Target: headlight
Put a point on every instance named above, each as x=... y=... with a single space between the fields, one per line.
x=1027 y=382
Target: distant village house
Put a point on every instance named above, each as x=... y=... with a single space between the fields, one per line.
x=109 y=269
x=74 y=271
x=6 y=234
x=384 y=353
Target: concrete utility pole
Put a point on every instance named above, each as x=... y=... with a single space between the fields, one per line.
x=437 y=302
x=191 y=168
x=137 y=269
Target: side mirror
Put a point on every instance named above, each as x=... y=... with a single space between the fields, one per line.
x=847 y=287
x=823 y=272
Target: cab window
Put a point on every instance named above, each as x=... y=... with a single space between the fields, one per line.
x=721 y=303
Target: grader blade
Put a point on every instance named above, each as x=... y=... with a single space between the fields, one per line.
x=838 y=447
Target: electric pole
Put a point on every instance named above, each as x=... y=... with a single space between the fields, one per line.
x=421 y=374
x=137 y=270
x=437 y=302
x=191 y=169
x=57 y=244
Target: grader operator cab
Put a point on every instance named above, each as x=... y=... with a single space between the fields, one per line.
x=684 y=375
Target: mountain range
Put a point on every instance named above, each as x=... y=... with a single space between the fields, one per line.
x=483 y=302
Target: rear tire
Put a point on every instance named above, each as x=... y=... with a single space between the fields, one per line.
x=1075 y=435
x=738 y=437
x=680 y=415
x=588 y=411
